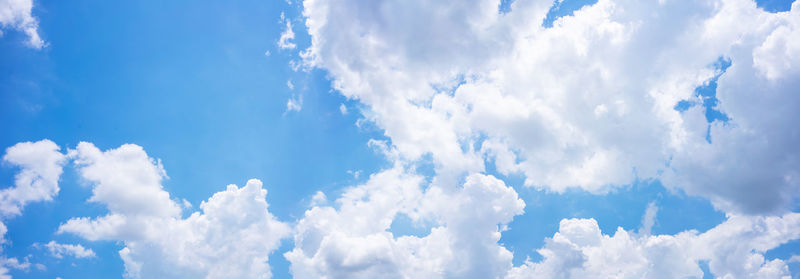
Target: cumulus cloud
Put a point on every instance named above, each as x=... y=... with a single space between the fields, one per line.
x=59 y=250
x=16 y=14
x=232 y=236
x=588 y=103
x=733 y=249
x=353 y=239
x=40 y=166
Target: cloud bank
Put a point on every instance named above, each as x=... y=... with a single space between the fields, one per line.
x=609 y=96
x=589 y=103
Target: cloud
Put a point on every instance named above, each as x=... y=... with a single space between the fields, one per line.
x=285 y=41
x=16 y=14
x=649 y=218
x=232 y=236
x=733 y=249
x=59 y=250
x=353 y=240
x=40 y=166
x=6 y=264
x=588 y=103
x=294 y=104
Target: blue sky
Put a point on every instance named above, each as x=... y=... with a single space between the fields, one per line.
x=204 y=88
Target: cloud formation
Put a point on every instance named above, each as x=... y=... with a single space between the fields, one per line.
x=588 y=103
x=59 y=250
x=232 y=236
x=733 y=249
x=40 y=166
x=16 y=14
x=353 y=239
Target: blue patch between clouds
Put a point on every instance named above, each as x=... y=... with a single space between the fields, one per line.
x=505 y=6
x=402 y=225
x=562 y=8
x=706 y=271
x=784 y=252
x=774 y=6
x=707 y=94
x=544 y=210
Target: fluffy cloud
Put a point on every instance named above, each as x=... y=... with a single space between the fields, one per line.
x=354 y=239
x=16 y=14
x=59 y=250
x=588 y=103
x=40 y=166
x=733 y=249
x=231 y=238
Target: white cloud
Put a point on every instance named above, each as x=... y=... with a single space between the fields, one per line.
x=16 y=14
x=588 y=103
x=6 y=264
x=290 y=85
x=285 y=41
x=125 y=180
x=733 y=249
x=40 y=166
x=318 y=199
x=343 y=109
x=59 y=250
x=354 y=240
x=233 y=236
x=294 y=103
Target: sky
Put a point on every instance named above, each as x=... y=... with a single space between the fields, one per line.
x=400 y=139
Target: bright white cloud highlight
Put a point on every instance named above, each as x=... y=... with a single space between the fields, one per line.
x=232 y=236
x=16 y=14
